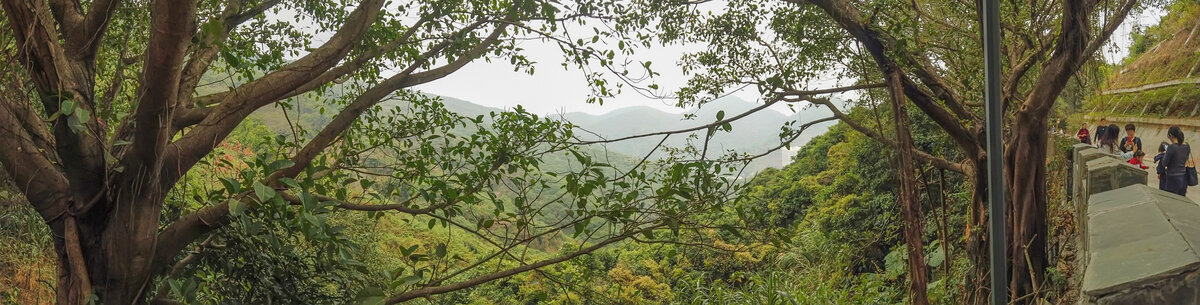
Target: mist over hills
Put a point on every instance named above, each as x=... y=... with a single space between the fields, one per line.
x=753 y=134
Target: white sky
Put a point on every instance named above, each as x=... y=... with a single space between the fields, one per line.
x=1118 y=46
x=552 y=89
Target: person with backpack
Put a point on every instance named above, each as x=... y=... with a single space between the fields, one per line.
x=1173 y=168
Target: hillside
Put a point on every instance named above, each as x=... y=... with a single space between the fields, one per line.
x=1158 y=78
x=754 y=134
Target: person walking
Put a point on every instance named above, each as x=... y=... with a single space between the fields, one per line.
x=1101 y=130
x=1062 y=126
x=1108 y=143
x=1173 y=168
x=1083 y=135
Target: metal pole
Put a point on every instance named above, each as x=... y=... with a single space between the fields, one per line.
x=995 y=150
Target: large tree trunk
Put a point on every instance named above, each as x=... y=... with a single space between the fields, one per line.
x=1025 y=172
x=977 y=234
x=113 y=248
x=910 y=205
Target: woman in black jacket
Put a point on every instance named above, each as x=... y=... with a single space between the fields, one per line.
x=1172 y=168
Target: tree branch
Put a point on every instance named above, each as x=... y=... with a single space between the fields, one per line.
x=923 y=156
x=30 y=164
x=95 y=25
x=201 y=58
x=374 y=95
x=850 y=19
x=242 y=101
x=171 y=28
x=429 y=291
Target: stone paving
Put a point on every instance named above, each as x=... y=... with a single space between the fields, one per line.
x=1142 y=248
x=1193 y=192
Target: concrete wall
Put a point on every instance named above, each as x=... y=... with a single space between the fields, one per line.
x=1138 y=243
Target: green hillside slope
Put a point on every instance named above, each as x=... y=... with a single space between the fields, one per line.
x=1158 y=78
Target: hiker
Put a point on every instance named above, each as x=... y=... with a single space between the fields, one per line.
x=1083 y=135
x=1172 y=169
x=1137 y=159
x=1108 y=143
x=1130 y=143
x=1062 y=126
x=1100 y=130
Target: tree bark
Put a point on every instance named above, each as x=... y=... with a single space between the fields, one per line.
x=910 y=205
x=977 y=234
x=1025 y=172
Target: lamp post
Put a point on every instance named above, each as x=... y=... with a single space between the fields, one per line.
x=994 y=127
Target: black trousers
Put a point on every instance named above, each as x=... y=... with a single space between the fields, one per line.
x=1174 y=183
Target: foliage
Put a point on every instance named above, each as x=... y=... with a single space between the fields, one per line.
x=182 y=197
x=27 y=272
x=1159 y=53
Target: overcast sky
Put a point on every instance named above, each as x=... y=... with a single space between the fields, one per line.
x=552 y=89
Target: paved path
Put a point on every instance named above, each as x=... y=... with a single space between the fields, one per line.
x=1193 y=192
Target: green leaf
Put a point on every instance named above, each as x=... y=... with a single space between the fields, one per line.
x=370 y=296
x=279 y=164
x=291 y=183
x=74 y=123
x=83 y=116
x=66 y=107
x=410 y=280
x=263 y=192
x=579 y=228
x=237 y=208
x=231 y=185
x=440 y=250
x=720 y=115
x=731 y=230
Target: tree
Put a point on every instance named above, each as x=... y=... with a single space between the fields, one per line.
x=98 y=150
x=933 y=47
x=906 y=193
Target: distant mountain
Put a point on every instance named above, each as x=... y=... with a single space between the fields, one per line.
x=753 y=134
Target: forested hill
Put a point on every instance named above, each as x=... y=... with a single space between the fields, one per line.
x=754 y=134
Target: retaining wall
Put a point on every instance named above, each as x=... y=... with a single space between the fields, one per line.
x=1138 y=243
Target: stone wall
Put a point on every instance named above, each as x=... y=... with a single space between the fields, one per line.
x=1138 y=242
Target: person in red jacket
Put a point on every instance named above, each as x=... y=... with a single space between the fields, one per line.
x=1083 y=135
x=1137 y=159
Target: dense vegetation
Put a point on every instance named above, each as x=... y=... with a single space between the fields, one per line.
x=1160 y=53
x=832 y=214
x=264 y=151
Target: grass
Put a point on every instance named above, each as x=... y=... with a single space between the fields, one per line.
x=27 y=259
x=1150 y=103
x=1173 y=57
